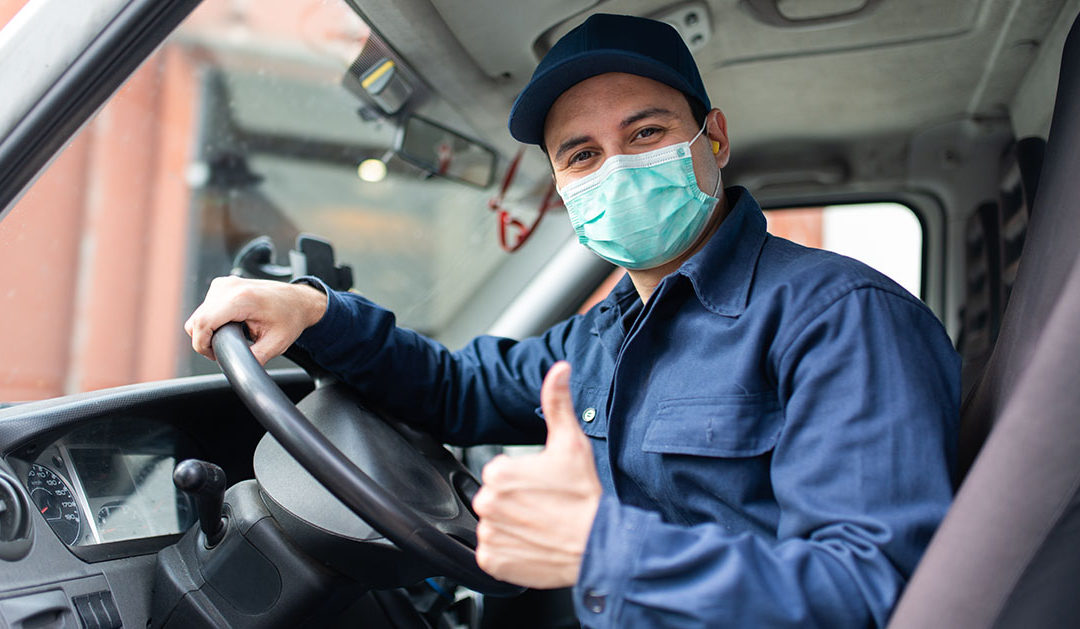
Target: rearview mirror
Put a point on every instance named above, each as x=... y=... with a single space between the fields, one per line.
x=446 y=153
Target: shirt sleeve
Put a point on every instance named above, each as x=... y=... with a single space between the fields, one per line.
x=486 y=392
x=869 y=386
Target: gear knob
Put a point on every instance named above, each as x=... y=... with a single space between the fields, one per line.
x=206 y=483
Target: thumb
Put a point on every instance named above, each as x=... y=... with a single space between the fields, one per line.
x=558 y=407
x=268 y=342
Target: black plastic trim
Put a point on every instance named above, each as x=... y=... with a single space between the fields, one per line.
x=19 y=424
x=21 y=538
x=122 y=549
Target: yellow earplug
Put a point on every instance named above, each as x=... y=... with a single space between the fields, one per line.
x=715 y=147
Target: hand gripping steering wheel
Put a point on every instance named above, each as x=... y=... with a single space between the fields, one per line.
x=411 y=490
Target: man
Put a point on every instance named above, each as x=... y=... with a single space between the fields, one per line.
x=754 y=434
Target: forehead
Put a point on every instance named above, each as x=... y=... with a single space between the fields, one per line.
x=604 y=100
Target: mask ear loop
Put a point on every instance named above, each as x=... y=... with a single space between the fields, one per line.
x=713 y=143
x=698 y=134
x=716 y=151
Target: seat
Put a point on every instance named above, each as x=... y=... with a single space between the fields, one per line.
x=1008 y=551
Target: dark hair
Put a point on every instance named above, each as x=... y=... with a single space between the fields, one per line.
x=697 y=110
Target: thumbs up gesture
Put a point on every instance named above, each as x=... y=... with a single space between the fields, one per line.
x=536 y=510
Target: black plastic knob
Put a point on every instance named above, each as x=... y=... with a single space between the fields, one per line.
x=206 y=483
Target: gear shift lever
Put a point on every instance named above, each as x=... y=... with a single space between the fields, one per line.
x=206 y=483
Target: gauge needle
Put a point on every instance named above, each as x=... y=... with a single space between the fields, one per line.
x=44 y=509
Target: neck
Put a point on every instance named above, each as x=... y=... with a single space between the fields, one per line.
x=646 y=280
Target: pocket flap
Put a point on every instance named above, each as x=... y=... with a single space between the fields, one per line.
x=724 y=426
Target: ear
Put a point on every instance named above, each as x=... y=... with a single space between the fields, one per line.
x=716 y=129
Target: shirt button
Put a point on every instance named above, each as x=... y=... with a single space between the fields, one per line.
x=588 y=415
x=594 y=602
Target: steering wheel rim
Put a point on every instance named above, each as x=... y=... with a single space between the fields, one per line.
x=382 y=510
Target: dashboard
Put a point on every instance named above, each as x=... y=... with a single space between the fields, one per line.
x=87 y=503
x=109 y=481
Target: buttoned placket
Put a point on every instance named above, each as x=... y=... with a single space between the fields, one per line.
x=613 y=428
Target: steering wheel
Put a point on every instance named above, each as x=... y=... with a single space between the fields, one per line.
x=436 y=529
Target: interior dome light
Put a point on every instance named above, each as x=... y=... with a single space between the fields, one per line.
x=372 y=170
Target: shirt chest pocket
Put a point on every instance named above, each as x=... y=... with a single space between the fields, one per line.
x=733 y=426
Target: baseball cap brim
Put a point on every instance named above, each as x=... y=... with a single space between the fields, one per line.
x=530 y=110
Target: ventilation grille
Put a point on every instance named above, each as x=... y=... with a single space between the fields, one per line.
x=14 y=520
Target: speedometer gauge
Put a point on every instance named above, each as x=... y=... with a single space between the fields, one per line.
x=55 y=502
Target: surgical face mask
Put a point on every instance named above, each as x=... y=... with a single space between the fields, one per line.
x=640 y=211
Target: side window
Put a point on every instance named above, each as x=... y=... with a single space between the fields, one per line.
x=886 y=236
x=241 y=125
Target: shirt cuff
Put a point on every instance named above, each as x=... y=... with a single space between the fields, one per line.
x=610 y=556
x=327 y=329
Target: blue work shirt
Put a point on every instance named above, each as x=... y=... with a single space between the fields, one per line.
x=774 y=430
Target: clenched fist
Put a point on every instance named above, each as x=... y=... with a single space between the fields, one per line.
x=536 y=511
x=275 y=313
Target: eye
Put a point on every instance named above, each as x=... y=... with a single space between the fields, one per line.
x=648 y=132
x=580 y=156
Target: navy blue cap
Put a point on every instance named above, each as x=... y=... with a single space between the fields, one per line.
x=605 y=43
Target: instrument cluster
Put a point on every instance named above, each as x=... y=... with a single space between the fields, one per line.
x=109 y=481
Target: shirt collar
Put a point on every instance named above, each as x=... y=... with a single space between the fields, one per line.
x=721 y=272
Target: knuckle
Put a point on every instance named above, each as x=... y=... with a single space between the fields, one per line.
x=483 y=558
x=495 y=470
x=242 y=291
x=489 y=561
x=484 y=532
x=483 y=504
x=493 y=478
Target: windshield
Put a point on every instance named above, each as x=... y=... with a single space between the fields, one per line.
x=238 y=127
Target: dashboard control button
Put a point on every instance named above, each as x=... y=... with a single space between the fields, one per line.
x=98 y=610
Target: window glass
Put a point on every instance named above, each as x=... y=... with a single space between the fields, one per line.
x=239 y=126
x=886 y=236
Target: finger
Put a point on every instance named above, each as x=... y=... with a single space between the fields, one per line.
x=526 y=566
x=200 y=340
x=214 y=312
x=558 y=406
x=267 y=347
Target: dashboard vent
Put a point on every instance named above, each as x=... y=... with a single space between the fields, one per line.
x=14 y=521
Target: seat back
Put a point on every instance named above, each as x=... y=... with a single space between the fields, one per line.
x=1008 y=551
x=994 y=236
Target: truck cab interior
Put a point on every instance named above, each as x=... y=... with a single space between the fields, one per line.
x=148 y=146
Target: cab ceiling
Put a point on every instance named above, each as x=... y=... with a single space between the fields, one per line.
x=925 y=62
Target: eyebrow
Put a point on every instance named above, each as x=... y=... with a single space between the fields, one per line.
x=629 y=120
x=646 y=113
